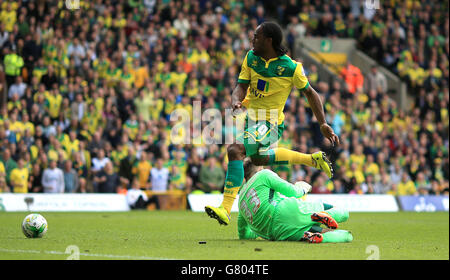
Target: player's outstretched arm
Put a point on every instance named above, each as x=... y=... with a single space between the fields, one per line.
x=238 y=95
x=317 y=108
x=276 y=183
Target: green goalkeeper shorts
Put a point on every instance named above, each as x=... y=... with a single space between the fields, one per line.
x=259 y=136
x=292 y=218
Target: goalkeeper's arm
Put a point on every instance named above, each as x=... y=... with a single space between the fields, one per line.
x=274 y=182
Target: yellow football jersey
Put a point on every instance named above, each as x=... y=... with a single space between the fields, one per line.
x=270 y=83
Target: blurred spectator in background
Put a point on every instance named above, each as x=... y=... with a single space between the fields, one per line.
x=100 y=161
x=353 y=78
x=423 y=186
x=2 y=171
x=178 y=180
x=368 y=186
x=138 y=199
x=78 y=108
x=211 y=177
x=107 y=181
x=17 y=88
x=53 y=178
x=19 y=177
x=193 y=170
x=70 y=178
x=295 y=29
x=3 y=34
x=376 y=80
x=406 y=186
x=159 y=177
x=96 y=145
x=8 y=163
x=319 y=186
x=36 y=179
x=141 y=170
x=8 y=16
x=384 y=185
x=13 y=64
x=396 y=174
x=338 y=187
x=3 y=186
x=126 y=166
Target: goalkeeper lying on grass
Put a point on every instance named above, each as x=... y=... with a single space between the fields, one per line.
x=271 y=208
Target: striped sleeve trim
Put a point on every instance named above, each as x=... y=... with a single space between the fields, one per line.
x=307 y=85
x=243 y=81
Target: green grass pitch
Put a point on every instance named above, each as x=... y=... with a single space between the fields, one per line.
x=159 y=235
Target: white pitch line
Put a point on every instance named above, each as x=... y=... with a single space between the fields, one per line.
x=84 y=254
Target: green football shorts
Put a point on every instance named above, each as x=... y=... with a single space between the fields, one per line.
x=259 y=136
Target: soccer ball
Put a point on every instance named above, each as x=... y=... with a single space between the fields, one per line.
x=34 y=226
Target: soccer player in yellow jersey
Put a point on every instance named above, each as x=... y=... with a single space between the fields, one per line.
x=265 y=82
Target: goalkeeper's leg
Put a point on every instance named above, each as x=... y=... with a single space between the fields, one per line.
x=328 y=236
x=331 y=216
x=317 y=234
x=339 y=214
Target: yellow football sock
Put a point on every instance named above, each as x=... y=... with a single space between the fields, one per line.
x=229 y=195
x=285 y=156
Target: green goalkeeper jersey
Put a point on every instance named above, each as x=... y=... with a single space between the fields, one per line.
x=258 y=200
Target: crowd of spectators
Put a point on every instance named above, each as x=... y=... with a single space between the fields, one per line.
x=410 y=38
x=89 y=93
x=385 y=149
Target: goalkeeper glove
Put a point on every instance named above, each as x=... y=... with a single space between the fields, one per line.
x=304 y=186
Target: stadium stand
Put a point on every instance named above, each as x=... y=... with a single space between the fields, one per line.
x=95 y=84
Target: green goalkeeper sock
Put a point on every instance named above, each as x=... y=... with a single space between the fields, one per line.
x=337 y=236
x=339 y=214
